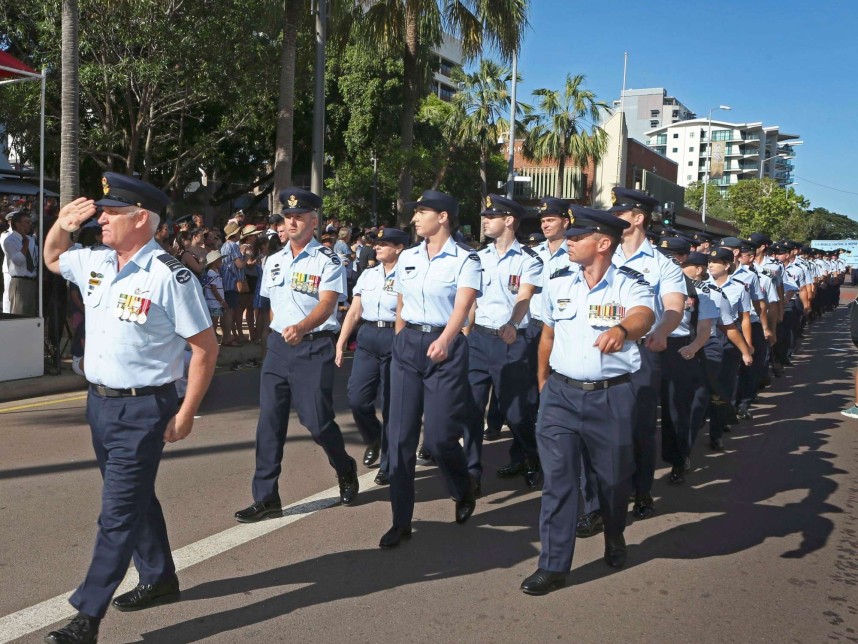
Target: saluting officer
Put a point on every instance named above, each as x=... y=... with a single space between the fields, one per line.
x=142 y=307
x=668 y=284
x=374 y=309
x=497 y=347
x=587 y=353
x=303 y=281
x=437 y=282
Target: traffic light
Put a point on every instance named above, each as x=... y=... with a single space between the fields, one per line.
x=668 y=215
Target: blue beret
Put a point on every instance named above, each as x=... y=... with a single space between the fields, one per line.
x=537 y=238
x=721 y=254
x=497 y=205
x=121 y=191
x=626 y=199
x=733 y=242
x=674 y=245
x=588 y=220
x=696 y=259
x=778 y=249
x=553 y=206
x=759 y=239
x=391 y=235
x=702 y=238
x=437 y=201
x=299 y=200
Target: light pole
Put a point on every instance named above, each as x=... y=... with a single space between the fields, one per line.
x=785 y=155
x=510 y=173
x=709 y=160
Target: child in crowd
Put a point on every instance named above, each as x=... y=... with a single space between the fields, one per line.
x=213 y=289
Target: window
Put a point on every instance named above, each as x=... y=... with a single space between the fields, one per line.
x=661 y=139
x=691 y=163
x=653 y=123
x=676 y=135
x=722 y=135
x=653 y=114
x=691 y=135
x=691 y=149
x=675 y=114
x=688 y=177
x=675 y=150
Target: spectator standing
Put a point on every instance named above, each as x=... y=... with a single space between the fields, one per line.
x=233 y=274
x=22 y=256
x=213 y=290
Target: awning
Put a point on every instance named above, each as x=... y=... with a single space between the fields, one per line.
x=16 y=187
x=11 y=67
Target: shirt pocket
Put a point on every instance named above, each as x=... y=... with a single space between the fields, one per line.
x=92 y=298
x=563 y=310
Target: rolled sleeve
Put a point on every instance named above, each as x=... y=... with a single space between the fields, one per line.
x=187 y=310
x=532 y=273
x=73 y=263
x=332 y=278
x=471 y=274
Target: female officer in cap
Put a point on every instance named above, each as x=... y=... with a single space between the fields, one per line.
x=437 y=282
x=374 y=309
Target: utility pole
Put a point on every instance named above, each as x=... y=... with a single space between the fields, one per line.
x=510 y=178
x=317 y=172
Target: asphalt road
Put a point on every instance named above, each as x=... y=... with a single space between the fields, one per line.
x=759 y=545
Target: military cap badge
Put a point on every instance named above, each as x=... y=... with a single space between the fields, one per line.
x=571 y=216
x=380 y=234
x=105 y=187
x=613 y=197
x=664 y=243
x=488 y=202
x=293 y=201
x=543 y=207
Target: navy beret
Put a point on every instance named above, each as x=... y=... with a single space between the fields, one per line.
x=588 y=220
x=626 y=199
x=759 y=239
x=391 y=235
x=299 y=200
x=674 y=245
x=696 y=259
x=437 y=201
x=702 y=238
x=553 y=206
x=721 y=254
x=732 y=242
x=497 y=205
x=537 y=238
x=121 y=191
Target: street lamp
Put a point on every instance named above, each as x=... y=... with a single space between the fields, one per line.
x=779 y=154
x=709 y=159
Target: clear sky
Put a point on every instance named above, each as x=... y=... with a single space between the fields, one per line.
x=786 y=63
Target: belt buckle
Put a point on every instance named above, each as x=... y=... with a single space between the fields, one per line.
x=589 y=386
x=426 y=328
x=101 y=390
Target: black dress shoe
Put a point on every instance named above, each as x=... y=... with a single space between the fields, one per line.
x=370 y=454
x=615 y=551
x=542 y=582
x=511 y=470
x=465 y=508
x=382 y=478
x=716 y=445
x=742 y=413
x=424 y=457
x=259 y=510
x=532 y=475
x=83 y=629
x=677 y=475
x=644 y=507
x=491 y=434
x=728 y=429
x=392 y=537
x=589 y=525
x=349 y=485
x=147 y=595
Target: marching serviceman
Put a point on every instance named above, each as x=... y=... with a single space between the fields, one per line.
x=437 y=281
x=497 y=346
x=374 y=309
x=142 y=308
x=303 y=281
x=587 y=353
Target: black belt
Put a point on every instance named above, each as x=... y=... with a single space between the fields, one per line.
x=680 y=340
x=23 y=277
x=318 y=335
x=425 y=328
x=538 y=324
x=108 y=392
x=381 y=324
x=479 y=328
x=593 y=385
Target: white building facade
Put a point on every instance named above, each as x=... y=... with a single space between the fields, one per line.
x=739 y=151
x=650 y=108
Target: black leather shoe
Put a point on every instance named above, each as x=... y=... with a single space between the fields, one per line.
x=589 y=525
x=716 y=445
x=382 y=478
x=83 y=629
x=259 y=510
x=465 y=508
x=728 y=429
x=424 y=457
x=677 y=475
x=543 y=582
x=349 y=485
x=532 y=475
x=742 y=413
x=370 y=454
x=511 y=470
x=644 y=507
x=148 y=595
x=615 y=551
x=491 y=434
x=392 y=537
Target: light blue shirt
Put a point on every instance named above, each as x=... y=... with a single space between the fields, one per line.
x=737 y=299
x=137 y=319
x=794 y=278
x=428 y=287
x=706 y=310
x=579 y=315
x=773 y=268
x=293 y=284
x=661 y=272
x=726 y=313
x=744 y=276
x=551 y=263
x=229 y=271
x=502 y=279
x=378 y=299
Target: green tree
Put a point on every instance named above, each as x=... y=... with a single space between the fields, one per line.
x=716 y=204
x=761 y=205
x=411 y=27
x=558 y=130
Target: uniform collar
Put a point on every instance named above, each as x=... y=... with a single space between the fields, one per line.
x=515 y=247
x=312 y=248
x=607 y=280
x=450 y=247
x=143 y=257
x=644 y=249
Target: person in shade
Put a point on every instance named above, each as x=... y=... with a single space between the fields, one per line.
x=373 y=312
x=142 y=308
x=587 y=353
x=437 y=282
x=303 y=281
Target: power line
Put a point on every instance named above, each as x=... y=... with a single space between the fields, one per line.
x=848 y=192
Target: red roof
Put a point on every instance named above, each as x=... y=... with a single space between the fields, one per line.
x=9 y=63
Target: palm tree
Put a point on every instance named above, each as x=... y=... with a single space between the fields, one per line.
x=558 y=130
x=70 y=92
x=286 y=101
x=410 y=27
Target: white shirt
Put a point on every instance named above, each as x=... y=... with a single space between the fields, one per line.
x=17 y=263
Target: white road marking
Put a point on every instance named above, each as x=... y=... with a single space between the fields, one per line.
x=34 y=618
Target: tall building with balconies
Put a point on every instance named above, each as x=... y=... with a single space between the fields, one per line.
x=646 y=109
x=739 y=151
x=449 y=54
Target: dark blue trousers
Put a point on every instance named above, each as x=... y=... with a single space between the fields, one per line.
x=371 y=375
x=494 y=364
x=647 y=384
x=575 y=427
x=749 y=377
x=437 y=392
x=128 y=439
x=303 y=374
x=682 y=382
x=731 y=360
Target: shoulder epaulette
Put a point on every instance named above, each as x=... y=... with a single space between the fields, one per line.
x=529 y=251
x=172 y=263
x=674 y=260
x=717 y=289
x=630 y=272
x=464 y=246
x=560 y=272
x=335 y=259
x=701 y=286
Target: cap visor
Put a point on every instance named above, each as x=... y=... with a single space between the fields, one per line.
x=115 y=203
x=576 y=230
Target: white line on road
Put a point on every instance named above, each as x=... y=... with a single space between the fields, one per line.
x=34 y=618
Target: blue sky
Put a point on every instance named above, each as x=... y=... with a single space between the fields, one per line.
x=786 y=63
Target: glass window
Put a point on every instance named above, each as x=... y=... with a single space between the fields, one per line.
x=653 y=123
x=691 y=149
x=676 y=135
x=675 y=150
x=653 y=113
x=691 y=163
x=722 y=135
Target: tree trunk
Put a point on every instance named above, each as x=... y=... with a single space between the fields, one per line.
x=69 y=124
x=286 y=102
x=561 y=170
x=409 y=107
x=442 y=171
x=484 y=176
